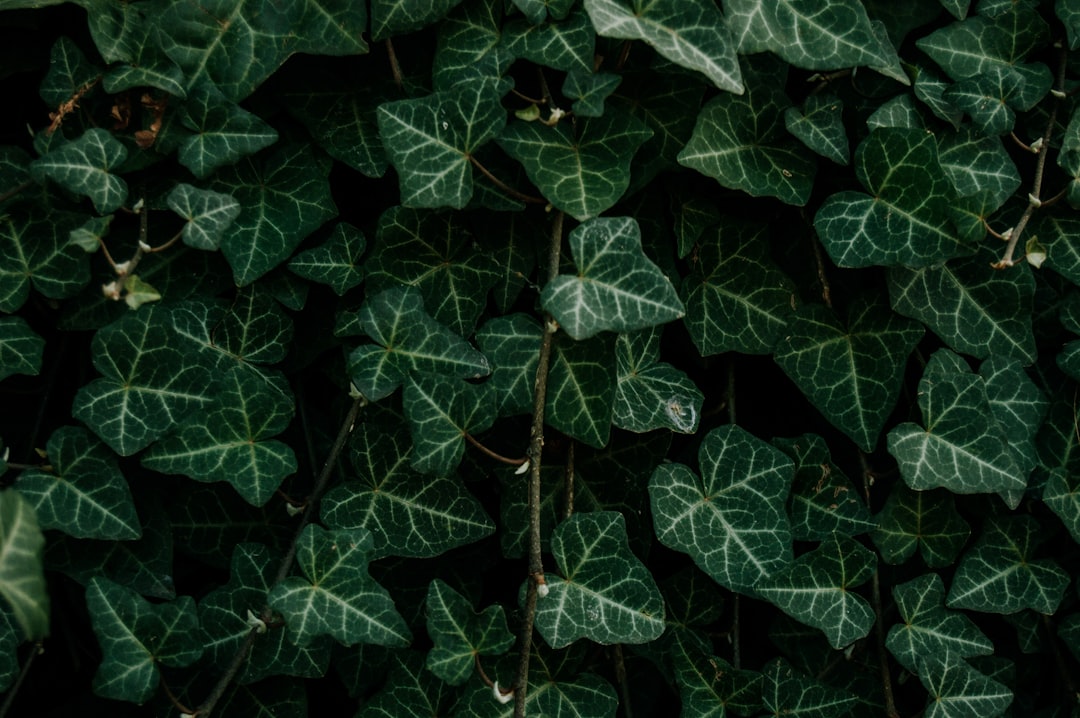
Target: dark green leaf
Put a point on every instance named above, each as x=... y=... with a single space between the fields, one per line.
x=70 y=73
x=460 y=634
x=21 y=349
x=566 y=45
x=22 y=578
x=83 y=167
x=709 y=687
x=411 y=691
x=588 y=91
x=442 y=411
x=336 y=261
x=208 y=214
x=470 y=45
x=581 y=389
x=982 y=43
x=127 y=33
x=959 y=691
x=788 y=693
x=397 y=17
x=650 y=394
x=978 y=166
x=512 y=344
x=819 y=126
x=222 y=132
x=926 y=521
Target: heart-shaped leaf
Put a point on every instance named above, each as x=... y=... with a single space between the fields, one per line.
x=784 y=691
x=567 y=45
x=83 y=167
x=21 y=349
x=222 y=132
x=442 y=411
x=819 y=126
x=926 y=521
x=959 y=691
x=650 y=394
x=336 y=261
x=985 y=42
x=460 y=634
x=581 y=389
x=208 y=214
x=22 y=577
x=588 y=90
x=470 y=46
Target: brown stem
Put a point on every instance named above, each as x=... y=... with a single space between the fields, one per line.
x=883 y=656
x=505 y=187
x=826 y=289
x=10 y=698
x=570 y=480
x=108 y=256
x=624 y=55
x=285 y=567
x=484 y=676
x=1020 y=143
x=736 y=648
x=498 y=457
x=174 y=700
x=395 y=68
x=4 y=197
x=525 y=97
x=536 y=448
x=172 y=240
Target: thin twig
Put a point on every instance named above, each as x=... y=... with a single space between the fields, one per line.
x=525 y=97
x=395 y=68
x=883 y=656
x=484 y=677
x=624 y=55
x=826 y=289
x=10 y=699
x=161 y=248
x=505 y=187
x=498 y=457
x=4 y=197
x=536 y=448
x=285 y=567
x=620 y=678
x=730 y=398
x=174 y=700
x=570 y=480
x=736 y=647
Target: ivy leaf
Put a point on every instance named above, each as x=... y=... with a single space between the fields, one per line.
x=926 y=521
x=616 y=288
x=650 y=394
x=341 y=119
x=959 y=691
x=1057 y=444
x=978 y=166
x=991 y=97
x=147 y=386
x=397 y=17
x=999 y=573
x=581 y=389
x=22 y=578
x=786 y=692
x=231 y=439
x=222 y=132
x=984 y=43
x=819 y=126
x=548 y=694
x=512 y=343
x=815 y=589
x=709 y=687
x=928 y=628
x=442 y=411
x=690 y=33
x=904 y=218
x=406 y=514
x=208 y=214
x=736 y=298
x=742 y=141
x=285 y=195
x=740 y=476
x=408 y=341
x=470 y=45
x=336 y=261
x=21 y=349
x=1055 y=232
x=128 y=34
x=538 y=10
x=583 y=169
x=431 y=141
x=137 y=636
x=588 y=91
x=69 y=72
x=411 y=691
x=605 y=593
x=851 y=374
x=336 y=596
x=84 y=494
x=225 y=621
x=460 y=634
x=567 y=45
x=83 y=167
x=975 y=308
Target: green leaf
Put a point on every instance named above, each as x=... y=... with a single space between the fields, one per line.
x=341 y=119
x=1060 y=459
x=336 y=596
x=604 y=593
x=973 y=307
x=222 y=132
x=740 y=476
x=147 y=387
x=1069 y=14
x=84 y=494
x=851 y=374
x=22 y=578
x=398 y=17
x=10 y=638
x=819 y=126
x=978 y=166
x=690 y=33
x=411 y=691
x=650 y=394
x=431 y=141
x=736 y=298
x=406 y=514
x=14 y=170
x=548 y=695
x=588 y=91
x=460 y=634
x=336 y=261
x=991 y=97
x=928 y=628
x=127 y=33
x=742 y=141
x=83 y=167
x=788 y=693
x=209 y=214
x=470 y=45
x=442 y=411
x=70 y=74
x=984 y=43
x=616 y=288
x=959 y=691
x=285 y=195
x=21 y=349
x=538 y=10
x=815 y=589
x=581 y=389
x=904 y=218
x=582 y=168
x=926 y=521
x=137 y=636
x=1000 y=574
x=567 y=45
x=408 y=340
x=512 y=344
x=709 y=687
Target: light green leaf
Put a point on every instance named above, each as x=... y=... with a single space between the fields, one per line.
x=460 y=634
x=926 y=521
x=1000 y=574
x=442 y=411
x=740 y=476
x=815 y=589
x=398 y=17
x=604 y=593
x=904 y=218
x=978 y=166
x=137 y=636
x=222 y=132
x=431 y=141
x=567 y=45
x=819 y=125
x=582 y=168
x=973 y=307
x=928 y=628
x=22 y=578
x=581 y=389
x=408 y=340
x=982 y=43
x=336 y=596
x=588 y=91
x=650 y=394
x=690 y=33
x=208 y=214
x=285 y=195
x=616 y=288
x=411 y=690
x=959 y=691
x=786 y=692
x=82 y=166
x=21 y=349
x=147 y=388
x=512 y=344
x=736 y=298
x=83 y=494
x=741 y=141
x=406 y=514
x=470 y=45
x=336 y=261
x=851 y=373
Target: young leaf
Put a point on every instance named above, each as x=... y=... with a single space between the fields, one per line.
x=588 y=91
x=650 y=394
x=83 y=167
x=21 y=349
x=460 y=634
x=208 y=214
x=336 y=596
x=22 y=578
x=336 y=261
x=616 y=288
x=605 y=593
x=740 y=476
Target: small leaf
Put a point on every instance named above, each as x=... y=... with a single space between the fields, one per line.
x=567 y=45
x=786 y=692
x=83 y=167
x=22 y=577
x=336 y=596
x=819 y=126
x=222 y=132
x=959 y=691
x=336 y=261
x=581 y=389
x=588 y=91
x=616 y=288
x=978 y=166
x=442 y=411
x=650 y=394
x=398 y=17
x=70 y=73
x=605 y=593
x=128 y=34
x=460 y=634
x=208 y=214
x=21 y=349
x=926 y=521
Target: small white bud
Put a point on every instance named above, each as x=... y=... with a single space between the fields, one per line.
x=1036 y=146
x=144 y=246
x=542 y=590
x=524 y=468
x=1058 y=94
x=1034 y=201
x=501 y=697
x=255 y=622
x=293 y=510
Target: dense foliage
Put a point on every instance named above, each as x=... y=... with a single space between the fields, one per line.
x=548 y=357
